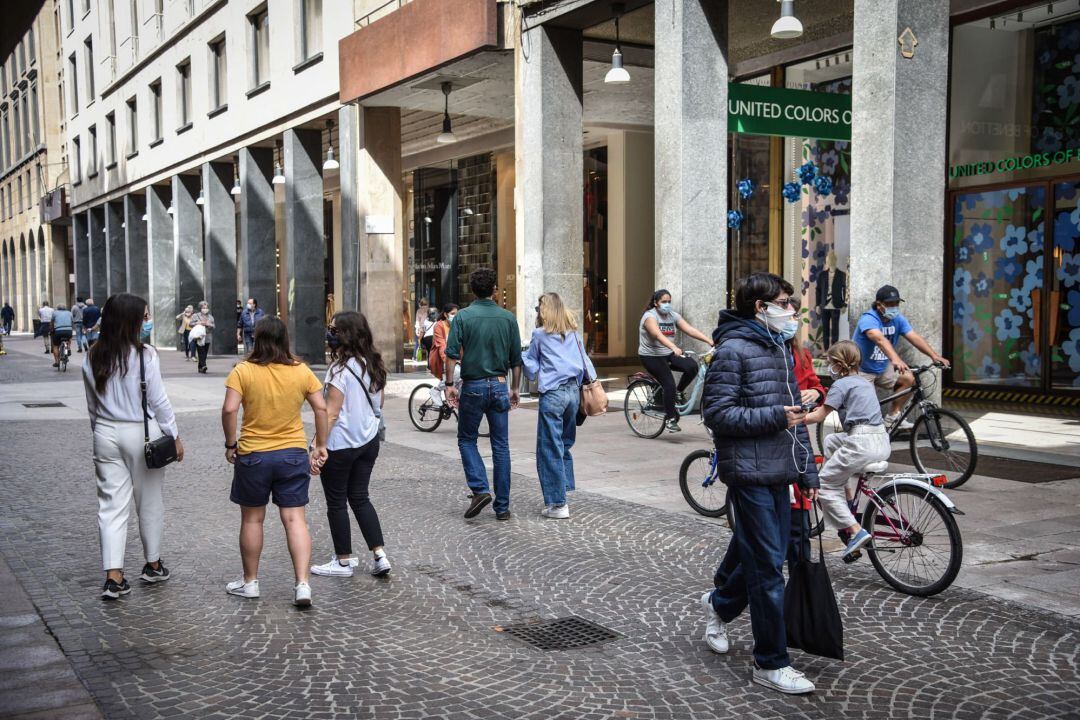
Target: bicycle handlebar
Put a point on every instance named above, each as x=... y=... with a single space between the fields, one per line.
x=926 y=368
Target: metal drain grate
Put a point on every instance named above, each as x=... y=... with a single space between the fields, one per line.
x=566 y=633
x=44 y=405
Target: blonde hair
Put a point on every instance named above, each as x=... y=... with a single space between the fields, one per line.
x=844 y=355
x=555 y=317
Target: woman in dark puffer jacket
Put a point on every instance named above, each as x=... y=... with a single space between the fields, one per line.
x=751 y=403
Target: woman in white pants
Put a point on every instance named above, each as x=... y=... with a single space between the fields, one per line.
x=114 y=401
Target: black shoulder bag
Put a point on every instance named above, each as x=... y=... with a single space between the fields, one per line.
x=378 y=413
x=162 y=451
x=811 y=615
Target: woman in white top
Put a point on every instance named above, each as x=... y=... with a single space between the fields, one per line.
x=354 y=385
x=114 y=401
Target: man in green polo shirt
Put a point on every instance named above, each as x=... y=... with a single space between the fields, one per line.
x=485 y=339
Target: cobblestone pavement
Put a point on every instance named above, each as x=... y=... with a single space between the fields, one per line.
x=424 y=643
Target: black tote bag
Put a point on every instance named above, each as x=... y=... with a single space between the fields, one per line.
x=811 y=614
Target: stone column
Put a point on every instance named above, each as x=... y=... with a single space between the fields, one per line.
x=162 y=296
x=80 y=225
x=551 y=166
x=99 y=267
x=257 y=228
x=138 y=278
x=219 y=267
x=305 y=245
x=348 y=127
x=115 y=250
x=898 y=135
x=188 y=245
x=691 y=78
x=380 y=203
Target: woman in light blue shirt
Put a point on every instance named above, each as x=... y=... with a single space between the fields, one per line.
x=556 y=356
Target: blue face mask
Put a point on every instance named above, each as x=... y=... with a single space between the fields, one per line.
x=892 y=312
x=147 y=327
x=665 y=308
x=334 y=341
x=789 y=330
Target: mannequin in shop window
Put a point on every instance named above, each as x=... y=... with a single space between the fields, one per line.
x=831 y=300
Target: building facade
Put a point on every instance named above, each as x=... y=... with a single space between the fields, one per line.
x=369 y=154
x=33 y=238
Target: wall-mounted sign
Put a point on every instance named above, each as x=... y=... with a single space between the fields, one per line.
x=758 y=110
x=379 y=224
x=907 y=41
x=1015 y=162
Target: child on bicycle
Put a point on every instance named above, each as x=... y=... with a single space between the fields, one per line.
x=863 y=441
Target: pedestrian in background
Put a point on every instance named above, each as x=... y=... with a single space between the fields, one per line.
x=45 y=314
x=484 y=338
x=183 y=329
x=91 y=322
x=752 y=406
x=7 y=315
x=112 y=373
x=556 y=356
x=270 y=459
x=77 y=323
x=354 y=399
x=418 y=326
x=245 y=326
x=201 y=338
x=437 y=356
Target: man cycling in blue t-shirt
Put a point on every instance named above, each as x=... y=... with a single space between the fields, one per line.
x=876 y=336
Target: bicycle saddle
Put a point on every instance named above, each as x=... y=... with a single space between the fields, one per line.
x=876 y=467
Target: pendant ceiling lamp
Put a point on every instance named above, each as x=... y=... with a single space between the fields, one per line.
x=617 y=75
x=447 y=135
x=787 y=25
x=279 y=177
x=331 y=163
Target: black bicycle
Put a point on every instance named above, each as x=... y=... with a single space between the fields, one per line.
x=65 y=354
x=941 y=441
x=427 y=414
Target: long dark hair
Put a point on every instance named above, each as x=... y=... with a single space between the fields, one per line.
x=271 y=344
x=655 y=298
x=121 y=325
x=358 y=344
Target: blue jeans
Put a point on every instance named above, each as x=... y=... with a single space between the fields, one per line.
x=490 y=398
x=80 y=337
x=556 y=430
x=249 y=342
x=752 y=571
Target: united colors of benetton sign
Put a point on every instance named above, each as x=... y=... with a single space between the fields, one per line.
x=758 y=110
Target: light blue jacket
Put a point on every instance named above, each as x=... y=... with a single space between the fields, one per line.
x=556 y=359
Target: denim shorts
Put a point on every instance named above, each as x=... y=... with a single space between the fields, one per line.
x=282 y=474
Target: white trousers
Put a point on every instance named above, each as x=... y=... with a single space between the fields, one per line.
x=846 y=456
x=121 y=473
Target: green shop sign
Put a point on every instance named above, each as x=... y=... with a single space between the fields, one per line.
x=757 y=110
x=1016 y=162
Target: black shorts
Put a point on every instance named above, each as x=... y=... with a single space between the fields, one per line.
x=59 y=336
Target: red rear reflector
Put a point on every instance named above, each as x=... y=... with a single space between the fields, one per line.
x=819 y=459
x=939 y=480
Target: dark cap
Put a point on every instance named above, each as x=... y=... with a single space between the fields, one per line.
x=887 y=293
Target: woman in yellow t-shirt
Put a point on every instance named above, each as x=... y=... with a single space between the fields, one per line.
x=271 y=459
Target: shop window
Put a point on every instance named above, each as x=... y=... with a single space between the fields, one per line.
x=1063 y=285
x=997 y=285
x=1015 y=100
x=595 y=296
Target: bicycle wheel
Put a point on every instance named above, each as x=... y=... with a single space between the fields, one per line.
x=701 y=486
x=644 y=414
x=942 y=444
x=829 y=426
x=916 y=545
x=425 y=415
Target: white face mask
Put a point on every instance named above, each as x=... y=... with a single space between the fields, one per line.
x=775 y=317
x=452 y=317
x=250 y=306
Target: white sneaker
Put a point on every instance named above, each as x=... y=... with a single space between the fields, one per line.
x=380 y=566
x=556 y=512
x=334 y=568
x=787 y=680
x=436 y=396
x=715 y=631
x=302 y=595
x=243 y=589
